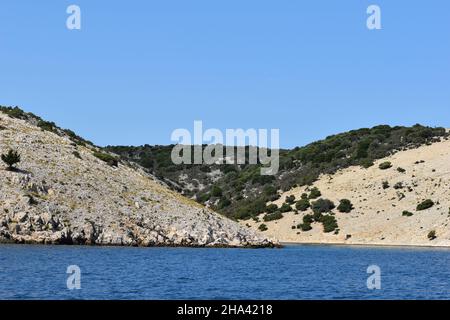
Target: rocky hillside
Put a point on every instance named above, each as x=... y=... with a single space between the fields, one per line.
x=403 y=199
x=239 y=191
x=67 y=191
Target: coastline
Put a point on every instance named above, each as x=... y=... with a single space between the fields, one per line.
x=374 y=245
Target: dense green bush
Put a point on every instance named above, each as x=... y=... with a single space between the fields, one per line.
x=47 y=126
x=345 y=205
x=304 y=227
x=386 y=185
x=290 y=199
x=302 y=205
x=273 y=216
x=285 y=208
x=329 y=223
x=401 y=170
x=308 y=218
x=109 y=159
x=366 y=163
x=304 y=196
x=322 y=206
x=427 y=204
x=432 y=235
x=315 y=193
x=271 y=208
x=385 y=165
x=263 y=227
x=11 y=158
x=223 y=203
x=407 y=214
x=216 y=191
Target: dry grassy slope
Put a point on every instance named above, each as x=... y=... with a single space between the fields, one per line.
x=60 y=198
x=377 y=218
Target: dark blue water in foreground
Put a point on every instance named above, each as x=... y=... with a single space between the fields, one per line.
x=296 y=272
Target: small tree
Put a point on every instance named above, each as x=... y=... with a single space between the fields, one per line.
x=345 y=205
x=385 y=165
x=11 y=158
x=315 y=193
x=302 y=205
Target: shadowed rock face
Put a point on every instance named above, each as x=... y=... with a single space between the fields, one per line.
x=64 y=194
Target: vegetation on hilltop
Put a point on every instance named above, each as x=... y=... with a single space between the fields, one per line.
x=244 y=192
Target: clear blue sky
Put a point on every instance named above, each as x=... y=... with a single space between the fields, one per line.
x=140 y=69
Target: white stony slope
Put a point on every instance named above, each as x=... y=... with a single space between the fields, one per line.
x=58 y=198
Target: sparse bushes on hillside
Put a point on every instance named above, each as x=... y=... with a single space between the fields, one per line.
x=427 y=204
x=345 y=206
x=385 y=185
x=385 y=165
x=11 y=158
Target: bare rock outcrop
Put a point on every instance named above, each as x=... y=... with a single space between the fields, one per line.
x=63 y=194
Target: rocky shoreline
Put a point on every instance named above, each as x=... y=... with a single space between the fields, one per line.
x=68 y=192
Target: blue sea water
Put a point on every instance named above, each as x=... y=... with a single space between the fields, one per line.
x=295 y=272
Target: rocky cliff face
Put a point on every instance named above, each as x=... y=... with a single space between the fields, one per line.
x=62 y=193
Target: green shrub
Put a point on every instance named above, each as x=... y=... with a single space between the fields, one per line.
x=109 y=159
x=366 y=163
x=11 y=158
x=398 y=185
x=401 y=170
x=76 y=154
x=47 y=126
x=302 y=205
x=304 y=196
x=216 y=191
x=427 y=204
x=407 y=214
x=329 y=224
x=273 y=216
x=263 y=227
x=345 y=206
x=271 y=208
x=385 y=165
x=308 y=219
x=285 y=208
x=304 y=227
x=315 y=193
x=432 y=235
x=386 y=185
x=223 y=203
x=322 y=206
x=290 y=199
